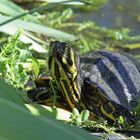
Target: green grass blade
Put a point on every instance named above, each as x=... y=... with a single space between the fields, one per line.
x=56 y=113
x=18 y=123
x=9 y=8
x=34 y=27
x=132 y=46
x=25 y=37
x=74 y=2
x=41 y=8
x=10 y=93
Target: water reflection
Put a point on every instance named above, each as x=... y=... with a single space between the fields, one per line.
x=116 y=14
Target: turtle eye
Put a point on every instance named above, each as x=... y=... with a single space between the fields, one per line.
x=65 y=44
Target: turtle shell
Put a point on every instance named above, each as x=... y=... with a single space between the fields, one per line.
x=115 y=76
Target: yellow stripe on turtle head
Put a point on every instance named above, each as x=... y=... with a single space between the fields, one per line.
x=63 y=70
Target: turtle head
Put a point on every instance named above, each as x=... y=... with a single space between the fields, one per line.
x=63 y=66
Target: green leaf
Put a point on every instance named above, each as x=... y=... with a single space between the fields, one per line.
x=12 y=55
x=18 y=123
x=25 y=37
x=35 y=65
x=74 y=2
x=75 y=112
x=34 y=27
x=10 y=8
x=56 y=113
x=8 y=92
x=85 y=115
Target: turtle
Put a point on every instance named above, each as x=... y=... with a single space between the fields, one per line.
x=104 y=82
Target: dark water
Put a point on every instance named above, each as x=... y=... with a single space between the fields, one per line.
x=116 y=14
